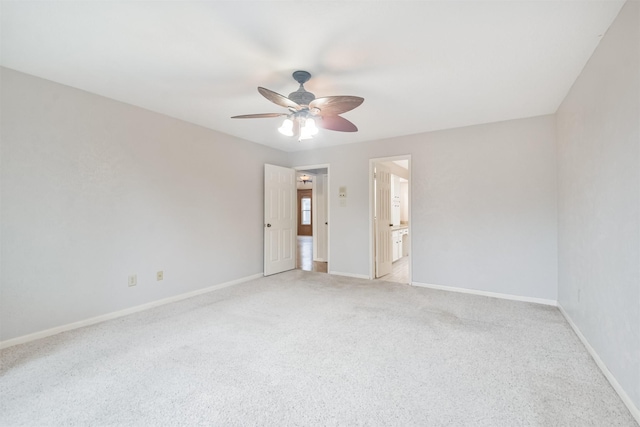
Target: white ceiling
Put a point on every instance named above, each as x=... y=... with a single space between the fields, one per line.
x=420 y=65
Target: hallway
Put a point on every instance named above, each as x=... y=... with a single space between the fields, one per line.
x=305 y=256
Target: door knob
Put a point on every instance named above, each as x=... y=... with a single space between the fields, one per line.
x=390 y=225
x=268 y=225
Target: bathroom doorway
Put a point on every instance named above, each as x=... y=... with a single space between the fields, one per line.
x=390 y=213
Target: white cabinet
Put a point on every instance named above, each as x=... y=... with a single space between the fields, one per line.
x=405 y=242
x=397 y=249
x=399 y=243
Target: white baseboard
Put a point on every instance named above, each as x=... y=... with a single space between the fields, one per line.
x=607 y=373
x=357 y=276
x=487 y=294
x=93 y=320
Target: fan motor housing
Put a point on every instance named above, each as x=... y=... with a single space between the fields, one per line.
x=301 y=96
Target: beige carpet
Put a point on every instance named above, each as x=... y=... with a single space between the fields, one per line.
x=305 y=348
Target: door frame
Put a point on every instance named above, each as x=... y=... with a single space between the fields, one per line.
x=314 y=207
x=372 y=214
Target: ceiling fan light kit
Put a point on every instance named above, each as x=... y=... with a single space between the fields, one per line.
x=287 y=127
x=306 y=112
x=305 y=127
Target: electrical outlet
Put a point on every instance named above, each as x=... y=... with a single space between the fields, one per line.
x=159 y=275
x=133 y=280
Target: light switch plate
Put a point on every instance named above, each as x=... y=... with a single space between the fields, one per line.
x=342 y=192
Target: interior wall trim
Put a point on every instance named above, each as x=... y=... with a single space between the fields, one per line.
x=605 y=371
x=488 y=294
x=114 y=315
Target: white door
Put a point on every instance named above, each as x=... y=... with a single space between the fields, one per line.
x=279 y=219
x=395 y=199
x=384 y=248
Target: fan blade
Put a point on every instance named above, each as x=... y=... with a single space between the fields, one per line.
x=259 y=116
x=278 y=99
x=334 y=105
x=337 y=123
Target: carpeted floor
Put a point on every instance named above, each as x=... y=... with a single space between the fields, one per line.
x=303 y=348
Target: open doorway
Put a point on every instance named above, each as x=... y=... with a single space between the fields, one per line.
x=312 y=184
x=390 y=183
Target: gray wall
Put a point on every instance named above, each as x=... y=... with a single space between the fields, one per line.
x=94 y=190
x=598 y=134
x=484 y=205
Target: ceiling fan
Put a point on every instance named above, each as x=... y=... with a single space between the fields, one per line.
x=304 y=178
x=306 y=111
